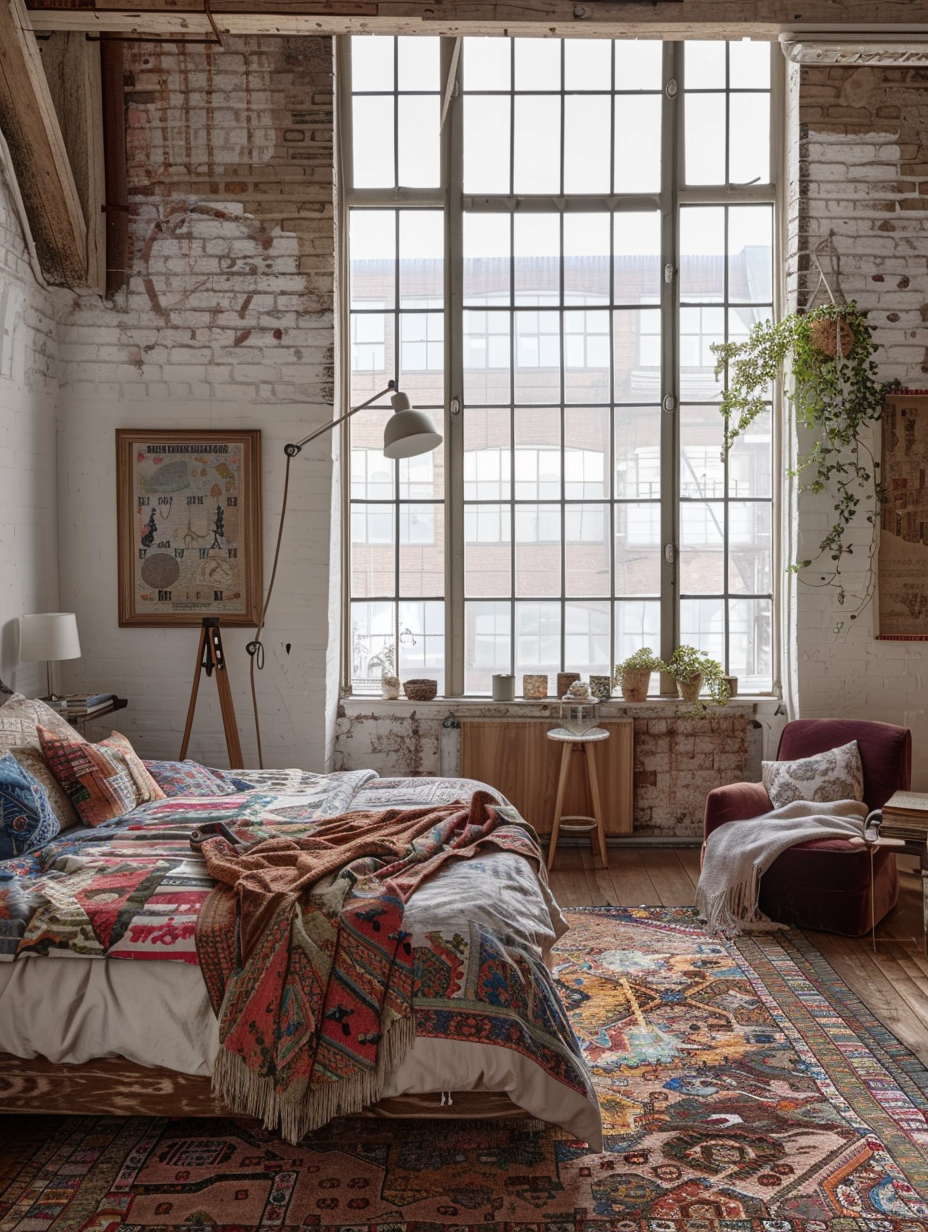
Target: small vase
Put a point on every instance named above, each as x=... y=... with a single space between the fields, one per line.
x=732 y=685
x=635 y=685
x=689 y=689
x=534 y=685
x=390 y=687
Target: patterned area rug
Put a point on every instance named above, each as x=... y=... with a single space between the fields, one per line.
x=744 y=1089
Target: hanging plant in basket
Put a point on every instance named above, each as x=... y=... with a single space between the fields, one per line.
x=836 y=394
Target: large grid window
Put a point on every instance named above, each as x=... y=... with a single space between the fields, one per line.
x=546 y=272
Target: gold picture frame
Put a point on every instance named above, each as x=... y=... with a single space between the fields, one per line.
x=188 y=522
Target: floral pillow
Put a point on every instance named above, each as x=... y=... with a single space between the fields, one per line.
x=26 y=818
x=103 y=780
x=836 y=774
x=188 y=778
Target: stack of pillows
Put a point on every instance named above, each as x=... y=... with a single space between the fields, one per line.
x=52 y=778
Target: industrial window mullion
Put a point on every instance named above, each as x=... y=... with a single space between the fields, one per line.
x=452 y=164
x=671 y=175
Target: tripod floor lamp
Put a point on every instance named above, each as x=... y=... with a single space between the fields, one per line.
x=408 y=432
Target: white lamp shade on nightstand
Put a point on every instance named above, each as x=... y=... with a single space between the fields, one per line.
x=48 y=637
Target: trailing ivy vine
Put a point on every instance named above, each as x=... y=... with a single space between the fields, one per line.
x=836 y=394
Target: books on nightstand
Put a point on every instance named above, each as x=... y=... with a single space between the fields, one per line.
x=80 y=705
x=905 y=815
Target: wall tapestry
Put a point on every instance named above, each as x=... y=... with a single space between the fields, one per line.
x=903 y=557
x=189 y=526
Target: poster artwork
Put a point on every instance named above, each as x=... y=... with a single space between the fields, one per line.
x=188 y=535
x=903 y=557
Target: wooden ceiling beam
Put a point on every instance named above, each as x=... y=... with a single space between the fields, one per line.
x=611 y=18
x=32 y=131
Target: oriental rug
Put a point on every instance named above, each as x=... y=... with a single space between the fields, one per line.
x=743 y=1087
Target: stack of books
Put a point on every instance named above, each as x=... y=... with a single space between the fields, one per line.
x=905 y=815
x=81 y=705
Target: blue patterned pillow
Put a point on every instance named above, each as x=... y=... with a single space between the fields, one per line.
x=187 y=778
x=26 y=818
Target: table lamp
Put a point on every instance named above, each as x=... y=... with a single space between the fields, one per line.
x=49 y=636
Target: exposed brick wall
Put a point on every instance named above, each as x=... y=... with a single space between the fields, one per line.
x=28 y=470
x=227 y=321
x=861 y=177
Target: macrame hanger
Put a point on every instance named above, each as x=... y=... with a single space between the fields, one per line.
x=824 y=244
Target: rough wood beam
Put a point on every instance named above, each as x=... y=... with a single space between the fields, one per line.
x=670 y=19
x=32 y=131
x=72 y=66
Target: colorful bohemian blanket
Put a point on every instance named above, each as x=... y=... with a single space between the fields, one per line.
x=315 y=1002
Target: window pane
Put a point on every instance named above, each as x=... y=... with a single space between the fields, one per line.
x=372 y=550
x=487 y=374
x=586 y=453
x=637 y=549
x=538 y=63
x=422 y=550
x=487 y=550
x=749 y=539
x=488 y=644
x=537 y=138
x=418 y=63
x=537 y=249
x=418 y=141
x=702 y=471
x=538 y=639
x=637 y=355
x=587 y=64
x=749 y=151
x=587 y=570
x=486 y=144
x=372 y=123
x=373 y=638
x=750 y=464
x=422 y=267
x=699 y=329
x=487 y=64
x=586 y=258
x=537 y=346
x=587 y=136
x=487 y=456
x=422 y=642
x=750 y=641
x=486 y=258
x=702 y=253
x=637 y=262
x=586 y=638
x=372 y=244
x=704 y=63
x=702 y=547
x=748 y=65
x=702 y=624
x=637 y=143
x=538 y=550
x=371 y=475
x=705 y=139
x=750 y=254
x=537 y=460
x=372 y=62
x=638 y=453
x=637 y=624
x=638 y=64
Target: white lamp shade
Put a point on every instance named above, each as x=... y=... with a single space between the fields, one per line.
x=49 y=636
x=408 y=432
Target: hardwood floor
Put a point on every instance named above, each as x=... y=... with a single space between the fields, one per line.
x=893 y=981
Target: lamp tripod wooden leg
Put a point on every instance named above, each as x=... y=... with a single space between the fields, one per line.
x=210 y=658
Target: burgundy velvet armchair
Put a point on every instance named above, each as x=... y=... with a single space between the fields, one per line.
x=826 y=884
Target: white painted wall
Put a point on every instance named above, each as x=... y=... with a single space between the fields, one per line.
x=28 y=467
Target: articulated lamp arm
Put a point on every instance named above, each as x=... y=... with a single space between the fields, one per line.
x=292 y=450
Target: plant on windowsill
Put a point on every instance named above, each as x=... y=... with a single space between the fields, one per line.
x=837 y=396
x=693 y=670
x=633 y=675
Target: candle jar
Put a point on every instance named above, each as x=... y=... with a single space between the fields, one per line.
x=504 y=688
x=565 y=680
x=534 y=686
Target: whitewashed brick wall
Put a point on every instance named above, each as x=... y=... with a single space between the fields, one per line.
x=226 y=323
x=28 y=469
x=861 y=177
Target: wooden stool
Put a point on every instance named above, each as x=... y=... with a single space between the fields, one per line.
x=594 y=824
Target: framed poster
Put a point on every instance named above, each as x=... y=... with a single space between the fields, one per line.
x=189 y=526
x=903 y=560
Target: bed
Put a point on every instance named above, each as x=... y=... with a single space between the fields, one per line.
x=104 y=1008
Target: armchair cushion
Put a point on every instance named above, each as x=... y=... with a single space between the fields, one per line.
x=885 y=751
x=834 y=774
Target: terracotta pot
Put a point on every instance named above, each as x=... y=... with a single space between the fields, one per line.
x=635 y=685
x=689 y=689
x=825 y=337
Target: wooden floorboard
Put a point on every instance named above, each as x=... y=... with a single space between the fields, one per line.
x=892 y=980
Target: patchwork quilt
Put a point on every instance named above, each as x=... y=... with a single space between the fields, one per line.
x=132 y=889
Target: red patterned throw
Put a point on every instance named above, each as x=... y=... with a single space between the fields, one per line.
x=306 y=962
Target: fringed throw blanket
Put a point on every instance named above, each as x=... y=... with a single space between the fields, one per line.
x=740 y=852
x=306 y=961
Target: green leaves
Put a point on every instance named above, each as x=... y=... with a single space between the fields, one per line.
x=833 y=386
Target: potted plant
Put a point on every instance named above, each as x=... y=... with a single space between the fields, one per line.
x=837 y=396
x=693 y=670
x=633 y=675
